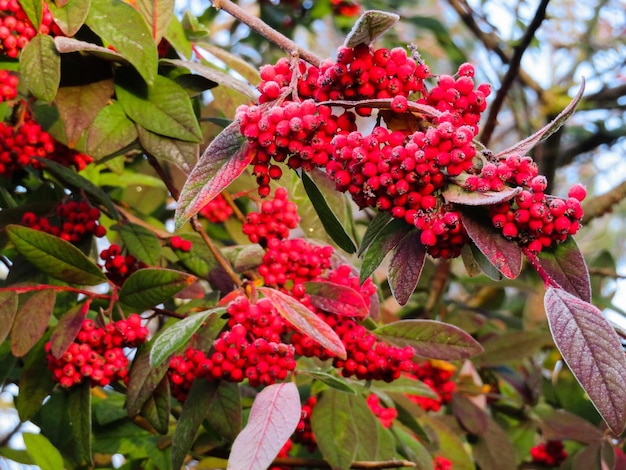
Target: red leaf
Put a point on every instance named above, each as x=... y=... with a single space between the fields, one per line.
x=471 y=416
x=458 y=195
x=337 y=299
x=505 y=255
x=526 y=145
x=592 y=350
x=406 y=266
x=273 y=418
x=222 y=162
x=557 y=425
x=305 y=321
x=31 y=321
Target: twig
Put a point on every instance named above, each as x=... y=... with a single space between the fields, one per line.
x=606 y=273
x=318 y=463
x=534 y=261
x=236 y=211
x=600 y=205
x=154 y=163
x=40 y=287
x=5 y=440
x=512 y=72
x=266 y=31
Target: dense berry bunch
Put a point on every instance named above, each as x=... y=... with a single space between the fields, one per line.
x=69 y=157
x=385 y=415
x=275 y=219
x=304 y=433
x=118 y=266
x=16 y=30
x=74 y=221
x=178 y=243
x=549 y=454
x=8 y=85
x=20 y=144
x=441 y=463
x=438 y=376
x=97 y=353
x=217 y=210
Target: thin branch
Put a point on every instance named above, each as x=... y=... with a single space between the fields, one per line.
x=231 y=203
x=513 y=71
x=266 y=31
x=606 y=273
x=4 y=442
x=318 y=463
x=24 y=289
x=167 y=180
x=600 y=205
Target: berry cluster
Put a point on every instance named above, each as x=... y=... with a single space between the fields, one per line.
x=118 y=266
x=385 y=415
x=549 y=454
x=217 y=210
x=304 y=433
x=16 y=30
x=97 y=353
x=179 y=243
x=74 y=221
x=276 y=218
x=441 y=463
x=8 y=85
x=69 y=157
x=19 y=144
x=437 y=375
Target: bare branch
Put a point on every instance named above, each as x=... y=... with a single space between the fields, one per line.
x=600 y=205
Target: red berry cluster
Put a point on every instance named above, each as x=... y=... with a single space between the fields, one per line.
x=118 y=266
x=549 y=454
x=438 y=376
x=97 y=353
x=16 y=30
x=69 y=157
x=345 y=7
x=8 y=85
x=276 y=218
x=179 y=243
x=283 y=453
x=441 y=463
x=217 y=210
x=304 y=433
x=74 y=221
x=385 y=415
x=19 y=144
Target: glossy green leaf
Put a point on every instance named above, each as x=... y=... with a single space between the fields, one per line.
x=273 y=418
x=195 y=409
x=110 y=131
x=71 y=16
x=158 y=14
x=405 y=267
x=54 y=256
x=493 y=449
x=141 y=243
x=121 y=26
x=78 y=106
x=8 y=310
x=79 y=411
x=148 y=287
x=35 y=382
x=331 y=223
x=40 y=66
x=430 y=338
x=163 y=107
x=484 y=264
x=225 y=413
x=449 y=442
x=385 y=241
x=156 y=410
x=143 y=379
x=332 y=381
x=181 y=153
x=66 y=330
x=31 y=321
x=175 y=34
x=43 y=453
x=178 y=335
x=370 y=26
x=337 y=299
x=406 y=385
x=380 y=220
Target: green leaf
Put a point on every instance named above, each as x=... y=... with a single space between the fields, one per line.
x=412 y=448
x=110 y=132
x=78 y=106
x=226 y=157
x=512 y=346
x=148 y=287
x=8 y=310
x=121 y=26
x=163 y=107
x=40 y=65
x=67 y=329
x=143 y=379
x=380 y=220
x=406 y=385
x=332 y=381
x=493 y=449
x=79 y=412
x=54 y=256
x=195 y=409
x=157 y=408
x=71 y=16
x=329 y=220
x=384 y=241
x=158 y=14
x=178 y=335
x=175 y=34
x=430 y=338
x=470 y=416
x=141 y=243
x=34 y=11
x=181 y=153
x=35 y=382
x=43 y=453
x=370 y=26
x=225 y=414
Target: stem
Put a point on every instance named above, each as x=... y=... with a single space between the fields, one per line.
x=266 y=31
x=236 y=211
x=600 y=205
x=164 y=176
x=534 y=261
x=318 y=463
x=25 y=289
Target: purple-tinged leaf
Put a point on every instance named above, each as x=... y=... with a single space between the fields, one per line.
x=67 y=45
x=248 y=257
x=471 y=417
x=222 y=162
x=385 y=241
x=483 y=263
x=505 y=255
x=592 y=351
x=273 y=418
x=493 y=449
x=337 y=299
x=557 y=425
x=406 y=266
x=526 y=145
x=566 y=266
x=8 y=310
x=67 y=329
x=31 y=321
x=380 y=220
x=370 y=26
x=156 y=410
x=430 y=338
x=143 y=380
x=456 y=194
x=182 y=154
x=305 y=321
x=512 y=346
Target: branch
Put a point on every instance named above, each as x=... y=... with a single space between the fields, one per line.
x=266 y=31
x=24 y=289
x=602 y=137
x=512 y=72
x=318 y=463
x=606 y=273
x=600 y=205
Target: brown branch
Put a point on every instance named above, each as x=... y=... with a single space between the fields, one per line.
x=513 y=72
x=602 y=204
x=601 y=137
x=318 y=463
x=236 y=211
x=606 y=273
x=266 y=31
